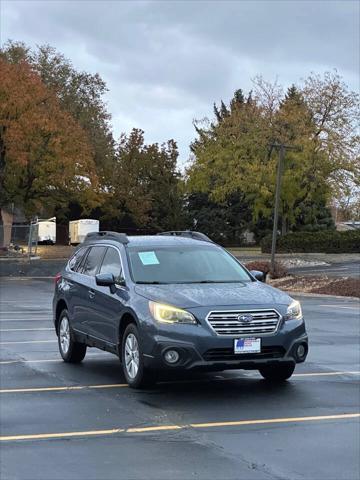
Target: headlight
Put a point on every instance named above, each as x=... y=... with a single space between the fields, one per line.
x=168 y=314
x=294 y=311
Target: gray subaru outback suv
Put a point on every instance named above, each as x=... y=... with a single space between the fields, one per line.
x=174 y=301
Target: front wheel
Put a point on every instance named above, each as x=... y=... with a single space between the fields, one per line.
x=137 y=376
x=70 y=350
x=277 y=373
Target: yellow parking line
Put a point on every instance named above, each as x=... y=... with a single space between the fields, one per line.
x=122 y=385
x=157 y=428
x=275 y=420
x=111 y=385
x=44 y=436
x=62 y=389
x=154 y=429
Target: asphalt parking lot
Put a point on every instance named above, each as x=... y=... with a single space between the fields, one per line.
x=61 y=421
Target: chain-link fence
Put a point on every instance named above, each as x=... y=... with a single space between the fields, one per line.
x=19 y=239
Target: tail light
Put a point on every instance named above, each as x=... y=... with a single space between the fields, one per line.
x=57 y=278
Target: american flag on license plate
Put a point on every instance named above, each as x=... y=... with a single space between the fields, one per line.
x=245 y=342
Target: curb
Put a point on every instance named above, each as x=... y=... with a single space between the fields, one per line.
x=320 y=295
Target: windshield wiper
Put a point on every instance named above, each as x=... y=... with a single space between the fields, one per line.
x=218 y=281
x=190 y=283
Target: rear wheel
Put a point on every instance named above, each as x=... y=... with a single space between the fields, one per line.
x=277 y=373
x=70 y=350
x=137 y=376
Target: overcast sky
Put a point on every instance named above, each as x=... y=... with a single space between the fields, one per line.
x=166 y=62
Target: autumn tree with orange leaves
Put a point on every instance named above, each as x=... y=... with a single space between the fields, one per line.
x=45 y=156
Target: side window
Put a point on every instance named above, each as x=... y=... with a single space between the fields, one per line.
x=93 y=261
x=75 y=260
x=112 y=263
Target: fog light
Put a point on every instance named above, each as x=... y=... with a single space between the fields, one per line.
x=301 y=351
x=171 y=356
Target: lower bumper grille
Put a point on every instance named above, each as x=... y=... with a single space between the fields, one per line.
x=227 y=354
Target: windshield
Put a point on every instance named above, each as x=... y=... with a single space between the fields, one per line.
x=190 y=264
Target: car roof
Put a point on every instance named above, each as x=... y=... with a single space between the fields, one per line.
x=152 y=241
x=164 y=240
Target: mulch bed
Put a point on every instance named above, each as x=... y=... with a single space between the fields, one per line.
x=346 y=287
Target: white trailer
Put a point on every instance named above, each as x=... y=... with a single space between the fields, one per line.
x=47 y=231
x=78 y=229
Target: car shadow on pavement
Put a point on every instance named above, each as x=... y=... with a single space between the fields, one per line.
x=109 y=370
x=178 y=389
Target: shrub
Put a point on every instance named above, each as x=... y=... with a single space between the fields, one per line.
x=328 y=241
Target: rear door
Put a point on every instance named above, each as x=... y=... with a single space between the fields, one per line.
x=108 y=306
x=85 y=311
x=72 y=284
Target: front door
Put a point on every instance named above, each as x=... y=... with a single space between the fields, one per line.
x=108 y=307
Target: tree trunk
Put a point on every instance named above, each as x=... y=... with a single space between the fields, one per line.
x=7 y=220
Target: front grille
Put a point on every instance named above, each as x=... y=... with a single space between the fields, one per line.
x=227 y=354
x=230 y=323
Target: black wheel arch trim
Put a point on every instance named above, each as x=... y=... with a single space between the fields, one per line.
x=60 y=306
x=126 y=313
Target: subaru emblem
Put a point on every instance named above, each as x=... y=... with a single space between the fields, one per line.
x=245 y=318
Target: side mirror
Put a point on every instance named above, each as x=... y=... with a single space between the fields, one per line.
x=258 y=275
x=106 y=280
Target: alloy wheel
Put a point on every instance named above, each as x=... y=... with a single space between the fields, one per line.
x=64 y=334
x=131 y=355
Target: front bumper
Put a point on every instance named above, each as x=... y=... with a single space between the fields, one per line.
x=202 y=350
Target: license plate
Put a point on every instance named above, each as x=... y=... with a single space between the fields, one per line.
x=247 y=345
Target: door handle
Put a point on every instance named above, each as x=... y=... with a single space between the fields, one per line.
x=91 y=293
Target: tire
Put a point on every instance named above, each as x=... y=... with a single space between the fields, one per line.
x=277 y=373
x=136 y=375
x=70 y=350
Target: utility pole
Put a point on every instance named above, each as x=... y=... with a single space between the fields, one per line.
x=281 y=149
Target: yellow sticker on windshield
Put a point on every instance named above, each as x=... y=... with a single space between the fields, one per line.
x=148 y=258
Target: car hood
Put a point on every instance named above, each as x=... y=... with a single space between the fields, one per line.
x=221 y=294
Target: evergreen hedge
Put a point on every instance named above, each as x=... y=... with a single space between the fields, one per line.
x=329 y=241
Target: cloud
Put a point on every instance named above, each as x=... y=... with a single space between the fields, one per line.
x=166 y=62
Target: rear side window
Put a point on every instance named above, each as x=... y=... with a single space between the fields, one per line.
x=75 y=260
x=93 y=261
x=112 y=263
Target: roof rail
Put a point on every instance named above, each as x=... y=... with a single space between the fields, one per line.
x=189 y=234
x=104 y=235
